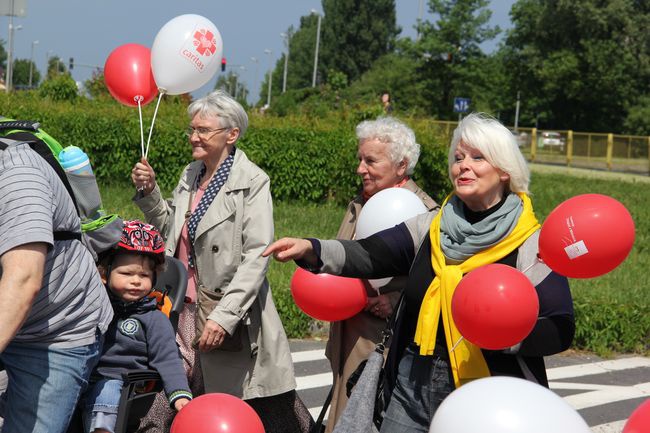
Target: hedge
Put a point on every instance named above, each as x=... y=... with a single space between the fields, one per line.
x=305 y=162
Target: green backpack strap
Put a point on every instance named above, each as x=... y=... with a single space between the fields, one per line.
x=9 y=126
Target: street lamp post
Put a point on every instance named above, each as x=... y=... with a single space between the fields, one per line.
x=257 y=70
x=31 y=63
x=243 y=68
x=48 y=55
x=10 y=61
x=286 y=37
x=420 y=9
x=517 y=112
x=268 y=96
x=233 y=85
x=313 y=78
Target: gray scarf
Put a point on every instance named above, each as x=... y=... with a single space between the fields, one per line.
x=460 y=240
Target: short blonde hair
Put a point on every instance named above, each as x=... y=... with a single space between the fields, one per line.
x=497 y=145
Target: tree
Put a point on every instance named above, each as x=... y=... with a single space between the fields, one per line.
x=21 y=73
x=453 y=63
x=580 y=64
x=354 y=34
x=95 y=86
x=3 y=56
x=231 y=83
x=55 y=67
x=302 y=44
x=59 y=88
x=397 y=74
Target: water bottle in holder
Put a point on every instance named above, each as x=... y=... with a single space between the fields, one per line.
x=74 y=160
x=79 y=172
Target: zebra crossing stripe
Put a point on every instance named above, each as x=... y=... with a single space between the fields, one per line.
x=610 y=427
x=593 y=395
x=313 y=381
x=609 y=394
x=308 y=355
x=580 y=370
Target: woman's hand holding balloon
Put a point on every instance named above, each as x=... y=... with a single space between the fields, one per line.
x=286 y=249
x=143 y=177
x=379 y=306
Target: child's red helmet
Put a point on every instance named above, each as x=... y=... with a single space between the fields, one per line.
x=142 y=238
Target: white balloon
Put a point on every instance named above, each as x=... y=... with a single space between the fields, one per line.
x=186 y=54
x=386 y=209
x=502 y=404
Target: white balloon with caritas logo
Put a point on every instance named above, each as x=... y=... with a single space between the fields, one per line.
x=186 y=54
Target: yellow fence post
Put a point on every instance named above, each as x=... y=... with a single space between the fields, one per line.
x=610 y=150
x=569 y=147
x=533 y=143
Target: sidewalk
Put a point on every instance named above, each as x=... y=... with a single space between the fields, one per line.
x=587 y=173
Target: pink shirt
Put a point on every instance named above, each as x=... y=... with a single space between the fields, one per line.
x=183 y=250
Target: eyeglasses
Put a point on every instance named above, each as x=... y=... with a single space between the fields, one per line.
x=203 y=133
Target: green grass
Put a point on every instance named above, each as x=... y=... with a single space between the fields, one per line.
x=612 y=311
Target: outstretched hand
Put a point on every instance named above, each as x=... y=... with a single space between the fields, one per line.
x=286 y=249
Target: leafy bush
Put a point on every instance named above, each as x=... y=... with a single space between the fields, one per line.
x=60 y=88
x=307 y=160
x=605 y=327
x=305 y=165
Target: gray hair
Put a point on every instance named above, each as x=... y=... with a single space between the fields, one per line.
x=220 y=104
x=399 y=137
x=497 y=145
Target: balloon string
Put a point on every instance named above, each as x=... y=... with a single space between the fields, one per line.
x=146 y=153
x=457 y=343
x=141 y=128
x=539 y=260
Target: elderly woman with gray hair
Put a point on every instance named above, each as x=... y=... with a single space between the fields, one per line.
x=488 y=218
x=388 y=154
x=218 y=222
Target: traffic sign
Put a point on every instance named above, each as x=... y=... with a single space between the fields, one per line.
x=461 y=105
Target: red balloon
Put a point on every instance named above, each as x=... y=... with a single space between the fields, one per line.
x=495 y=306
x=639 y=421
x=586 y=236
x=128 y=75
x=328 y=297
x=217 y=413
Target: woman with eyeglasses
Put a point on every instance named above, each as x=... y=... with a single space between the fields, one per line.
x=218 y=222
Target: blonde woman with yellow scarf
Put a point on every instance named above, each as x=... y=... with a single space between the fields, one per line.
x=488 y=218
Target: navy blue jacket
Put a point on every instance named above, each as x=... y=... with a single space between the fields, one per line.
x=142 y=337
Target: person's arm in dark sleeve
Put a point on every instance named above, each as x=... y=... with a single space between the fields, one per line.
x=385 y=254
x=555 y=327
x=165 y=358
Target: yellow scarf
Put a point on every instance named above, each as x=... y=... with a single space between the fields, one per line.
x=466 y=360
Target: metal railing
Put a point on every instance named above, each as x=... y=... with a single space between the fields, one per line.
x=602 y=151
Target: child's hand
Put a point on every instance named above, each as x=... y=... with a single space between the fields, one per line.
x=181 y=403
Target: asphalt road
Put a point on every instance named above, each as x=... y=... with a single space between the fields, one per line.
x=603 y=391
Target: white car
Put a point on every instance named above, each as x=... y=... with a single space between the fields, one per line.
x=550 y=139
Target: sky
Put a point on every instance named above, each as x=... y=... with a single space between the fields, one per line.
x=89 y=30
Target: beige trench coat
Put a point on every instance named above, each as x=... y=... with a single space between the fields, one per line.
x=228 y=245
x=351 y=341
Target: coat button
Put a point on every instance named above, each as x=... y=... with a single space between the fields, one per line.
x=215 y=248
